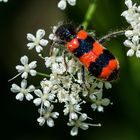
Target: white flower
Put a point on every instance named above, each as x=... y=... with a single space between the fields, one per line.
x=132 y=15
x=52 y=36
x=62 y=95
x=47 y=115
x=3 y=0
x=43 y=97
x=72 y=110
x=26 y=68
x=63 y=3
x=37 y=41
x=134 y=47
x=23 y=91
x=98 y=102
x=78 y=123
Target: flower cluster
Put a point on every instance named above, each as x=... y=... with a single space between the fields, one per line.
x=66 y=84
x=132 y=16
x=63 y=3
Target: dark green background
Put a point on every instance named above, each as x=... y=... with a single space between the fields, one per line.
x=121 y=121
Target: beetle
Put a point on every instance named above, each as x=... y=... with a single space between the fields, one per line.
x=99 y=61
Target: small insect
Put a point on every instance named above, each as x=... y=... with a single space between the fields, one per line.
x=100 y=62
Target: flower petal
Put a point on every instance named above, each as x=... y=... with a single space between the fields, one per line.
x=19 y=68
x=31 y=88
x=37 y=101
x=74 y=131
x=72 y=2
x=43 y=42
x=15 y=88
x=50 y=122
x=33 y=72
x=62 y=4
x=20 y=97
x=84 y=126
x=40 y=33
x=24 y=60
x=29 y=97
x=30 y=46
x=38 y=92
x=30 y=37
x=130 y=52
x=23 y=83
x=24 y=75
x=41 y=121
x=33 y=65
x=38 y=48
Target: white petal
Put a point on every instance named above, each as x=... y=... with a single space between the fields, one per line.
x=33 y=72
x=15 y=88
x=20 y=68
x=83 y=117
x=31 y=88
x=47 y=103
x=73 y=115
x=138 y=54
x=74 y=131
x=138 y=9
x=129 y=33
x=38 y=92
x=48 y=61
x=93 y=106
x=40 y=33
x=29 y=97
x=130 y=52
x=84 y=126
x=37 y=101
x=51 y=36
x=128 y=3
x=38 y=48
x=105 y=102
x=20 y=97
x=108 y=85
x=23 y=83
x=33 y=65
x=100 y=109
x=50 y=122
x=41 y=121
x=135 y=39
x=30 y=46
x=24 y=75
x=43 y=42
x=24 y=60
x=62 y=4
x=55 y=115
x=128 y=43
x=72 y=2
x=30 y=37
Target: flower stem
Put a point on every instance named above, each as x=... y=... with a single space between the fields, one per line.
x=111 y=35
x=89 y=14
x=43 y=74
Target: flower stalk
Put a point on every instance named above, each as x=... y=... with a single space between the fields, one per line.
x=89 y=14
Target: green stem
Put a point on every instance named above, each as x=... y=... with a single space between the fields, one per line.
x=89 y=14
x=43 y=74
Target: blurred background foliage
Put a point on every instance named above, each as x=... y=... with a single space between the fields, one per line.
x=120 y=121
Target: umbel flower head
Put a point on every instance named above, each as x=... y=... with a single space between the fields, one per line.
x=65 y=86
x=132 y=16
